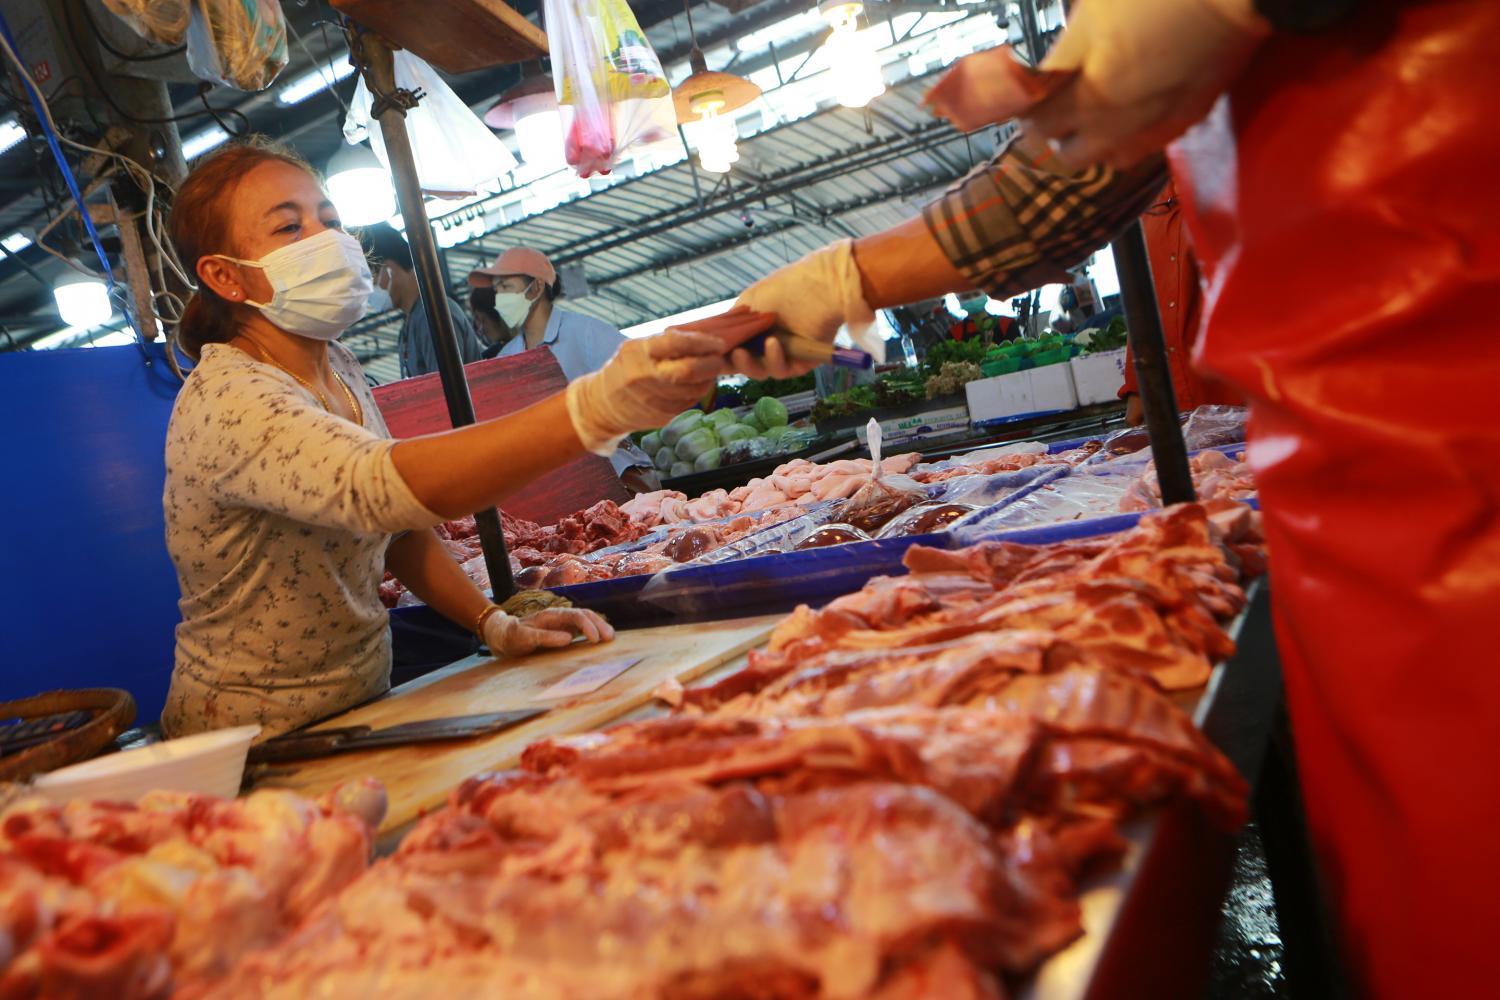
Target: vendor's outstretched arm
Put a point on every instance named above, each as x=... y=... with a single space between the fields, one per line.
x=645 y=384
x=1011 y=225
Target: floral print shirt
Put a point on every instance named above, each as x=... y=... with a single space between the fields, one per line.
x=278 y=516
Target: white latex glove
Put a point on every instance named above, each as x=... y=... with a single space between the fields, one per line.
x=507 y=635
x=813 y=297
x=647 y=383
x=1147 y=70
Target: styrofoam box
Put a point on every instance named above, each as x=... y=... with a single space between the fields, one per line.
x=1098 y=377
x=931 y=423
x=1052 y=388
x=1000 y=396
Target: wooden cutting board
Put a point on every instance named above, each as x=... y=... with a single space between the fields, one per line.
x=418 y=778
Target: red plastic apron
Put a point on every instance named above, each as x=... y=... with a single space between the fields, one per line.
x=1345 y=200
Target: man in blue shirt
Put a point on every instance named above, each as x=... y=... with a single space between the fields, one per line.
x=396 y=286
x=526 y=291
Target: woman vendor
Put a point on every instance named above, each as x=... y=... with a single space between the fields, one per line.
x=286 y=499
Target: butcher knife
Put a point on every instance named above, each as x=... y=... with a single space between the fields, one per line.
x=322 y=742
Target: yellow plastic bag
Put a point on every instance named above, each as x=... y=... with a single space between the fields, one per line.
x=611 y=91
x=612 y=51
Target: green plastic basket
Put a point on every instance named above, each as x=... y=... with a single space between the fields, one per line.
x=1000 y=366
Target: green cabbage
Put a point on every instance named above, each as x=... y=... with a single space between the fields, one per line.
x=651 y=442
x=736 y=432
x=680 y=425
x=695 y=442
x=680 y=469
x=770 y=411
x=720 y=418
x=752 y=420
x=708 y=460
x=664 y=458
x=775 y=434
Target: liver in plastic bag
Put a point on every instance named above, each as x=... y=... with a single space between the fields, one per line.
x=239 y=43
x=925 y=519
x=833 y=534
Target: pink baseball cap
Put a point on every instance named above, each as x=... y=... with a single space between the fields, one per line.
x=517 y=260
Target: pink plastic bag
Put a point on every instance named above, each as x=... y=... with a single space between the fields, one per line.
x=611 y=90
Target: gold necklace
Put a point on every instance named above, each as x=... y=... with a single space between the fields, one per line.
x=354 y=407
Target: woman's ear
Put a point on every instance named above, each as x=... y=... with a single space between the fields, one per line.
x=222 y=276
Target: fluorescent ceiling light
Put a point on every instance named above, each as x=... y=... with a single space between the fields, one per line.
x=16 y=242
x=199 y=143
x=11 y=134
x=315 y=81
x=82 y=300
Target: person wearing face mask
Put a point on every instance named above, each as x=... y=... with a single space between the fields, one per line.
x=286 y=499
x=526 y=292
x=396 y=288
x=487 y=322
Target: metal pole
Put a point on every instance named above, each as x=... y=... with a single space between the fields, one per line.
x=1031 y=32
x=1152 y=375
x=374 y=57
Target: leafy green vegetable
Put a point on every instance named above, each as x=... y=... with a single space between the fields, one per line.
x=722 y=418
x=695 y=442
x=707 y=461
x=680 y=469
x=664 y=458
x=651 y=442
x=736 y=432
x=770 y=412
x=944 y=351
x=1111 y=338
x=752 y=392
x=680 y=425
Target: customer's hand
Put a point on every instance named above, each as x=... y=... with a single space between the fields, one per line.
x=507 y=635
x=1135 y=413
x=648 y=382
x=813 y=297
x=1146 y=70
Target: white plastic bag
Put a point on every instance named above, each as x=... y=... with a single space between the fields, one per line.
x=456 y=153
x=239 y=43
x=612 y=93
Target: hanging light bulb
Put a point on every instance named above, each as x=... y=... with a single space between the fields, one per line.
x=851 y=55
x=360 y=186
x=705 y=103
x=530 y=110
x=82 y=300
x=715 y=135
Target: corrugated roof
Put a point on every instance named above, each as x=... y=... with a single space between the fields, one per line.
x=650 y=247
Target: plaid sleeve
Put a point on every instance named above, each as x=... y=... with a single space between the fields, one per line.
x=1012 y=224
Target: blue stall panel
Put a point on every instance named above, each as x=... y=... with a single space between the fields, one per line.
x=88 y=593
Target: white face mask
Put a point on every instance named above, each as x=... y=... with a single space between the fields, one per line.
x=320 y=285
x=379 y=301
x=513 y=307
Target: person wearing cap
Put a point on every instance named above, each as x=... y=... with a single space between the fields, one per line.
x=396 y=287
x=526 y=292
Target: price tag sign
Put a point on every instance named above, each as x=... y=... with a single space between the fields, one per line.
x=590 y=678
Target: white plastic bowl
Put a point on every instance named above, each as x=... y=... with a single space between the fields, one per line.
x=210 y=763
